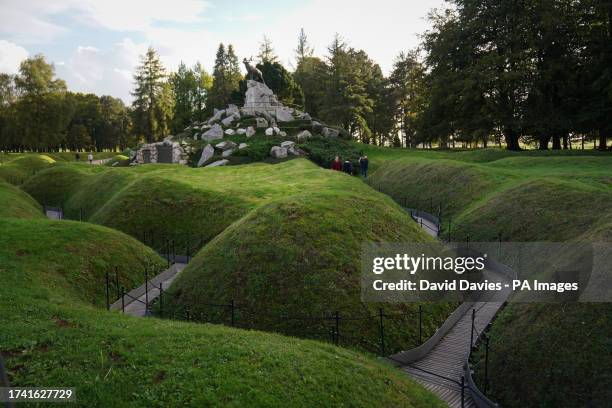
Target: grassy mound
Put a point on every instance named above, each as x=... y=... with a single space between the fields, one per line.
x=300 y=256
x=530 y=196
x=54 y=332
x=292 y=217
x=16 y=169
x=118 y=161
x=17 y=204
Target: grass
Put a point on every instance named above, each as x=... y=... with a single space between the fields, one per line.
x=527 y=196
x=261 y=221
x=17 y=168
x=15 y=203
x=56 y=333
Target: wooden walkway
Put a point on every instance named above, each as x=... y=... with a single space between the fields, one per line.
x=441 y=369
x=135 y=301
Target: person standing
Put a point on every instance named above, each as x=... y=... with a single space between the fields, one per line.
x=363 y=166
x=337 y=164
x=90 y=158
x=348 y=167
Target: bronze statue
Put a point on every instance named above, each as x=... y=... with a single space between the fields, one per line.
x=253 y=72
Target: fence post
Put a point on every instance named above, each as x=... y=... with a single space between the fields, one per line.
x=499 y=237
x=486 y=369
x=431 y=205
x=117 y=279
x=173 y=251
x=146 y=290
x=467 y=243
x=168 y=251
x=161 y=299
x=122 y=299
x=107 y=292
x=382 y=332
x=420 y=324
x=462 y=392
x=337 y=328
x=233 y=306
x=81 y=214
x=472 y=331
x=449 y=229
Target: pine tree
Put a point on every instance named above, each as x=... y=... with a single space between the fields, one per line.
x=226 y=79
x=266 y=52
x=303 y=50
x=150 y=106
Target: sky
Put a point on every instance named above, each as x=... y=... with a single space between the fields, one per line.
x=96 y=44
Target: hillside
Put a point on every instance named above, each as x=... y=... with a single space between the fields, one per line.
x=55 y=332
x=17 y=204
x=530 y=196
x=290 y=228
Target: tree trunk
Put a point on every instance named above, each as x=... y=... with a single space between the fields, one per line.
x=603 y=142
x=556 y=145
x=512 y=140
x=543 y=140
x=565 y=141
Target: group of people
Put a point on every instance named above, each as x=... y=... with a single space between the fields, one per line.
x=347 y=166
x=77 y=157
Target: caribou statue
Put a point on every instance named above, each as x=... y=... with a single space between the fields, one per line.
x=253 y=72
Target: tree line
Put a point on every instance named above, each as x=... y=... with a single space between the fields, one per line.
x=487 y=72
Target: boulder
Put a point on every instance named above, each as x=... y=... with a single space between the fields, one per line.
x=214 y=133
x=218 y=163
x=284 y=114
x=228 y=121
x=261 y=123
x=276 y=130
x=258 y=98
x=230 y=132
x=330 y=132
x=287 y=144
x=216 y=117
x=303 y=135
x=269 y=131
x=226 y=145
x=242 y=146
x=227 y=153
x=278 y=152
x=241 y=131
x=305 y=116
x=207 y=153
x=282 y=133
x=232 y=110
x=316 y=126
x=250 y=131
x=293 y=150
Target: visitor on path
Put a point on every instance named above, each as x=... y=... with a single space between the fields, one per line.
x=363 y=165
x=337 y=164
x=348 y=167
x=90 y=158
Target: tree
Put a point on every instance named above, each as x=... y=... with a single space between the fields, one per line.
x=311 y=75
x=303 y=50
x=226 y=79
x=203 y=84
x=407 y=93
x=41 y=113
x=150 y=106
x=266 y=52
x=184 y=85
x=281 y=82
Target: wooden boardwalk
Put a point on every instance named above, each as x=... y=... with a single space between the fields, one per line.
x=134 y=302
x=441 y=369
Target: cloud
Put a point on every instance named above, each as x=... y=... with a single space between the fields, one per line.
x=11 y=56
x=92 y=70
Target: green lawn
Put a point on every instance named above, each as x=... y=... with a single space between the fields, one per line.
x=56 y=333
x=526 y=196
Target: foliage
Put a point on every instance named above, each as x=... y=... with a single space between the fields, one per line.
x=190 y=87
x=281 y=82
x=226 y=78
x=152 y=106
